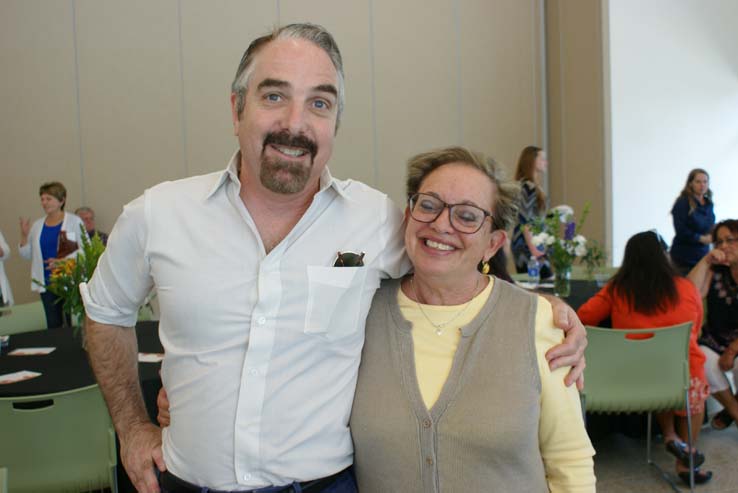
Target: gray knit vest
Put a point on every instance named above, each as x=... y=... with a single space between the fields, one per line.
x=481 y=435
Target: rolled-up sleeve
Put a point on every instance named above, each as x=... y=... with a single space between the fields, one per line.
x=565 y=447
x=122 y=278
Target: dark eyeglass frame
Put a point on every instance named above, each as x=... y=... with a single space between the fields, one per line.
x=727 y=241
x=412 y=201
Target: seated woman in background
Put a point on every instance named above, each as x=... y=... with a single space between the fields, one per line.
x=531 y=206
x=648 y=292
x=716 y=277
x=693 y=218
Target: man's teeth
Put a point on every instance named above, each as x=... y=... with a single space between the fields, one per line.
x=290 y=151
x=438 y=246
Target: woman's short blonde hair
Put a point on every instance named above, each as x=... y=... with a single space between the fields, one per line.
x=504 y=206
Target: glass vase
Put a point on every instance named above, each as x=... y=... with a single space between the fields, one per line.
x=562 y=281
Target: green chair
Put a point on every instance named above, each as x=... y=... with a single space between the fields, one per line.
x=58 y=442
x=25 y=317
x=638 y=375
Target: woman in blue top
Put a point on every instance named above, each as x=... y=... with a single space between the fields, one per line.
x=693 y=221
x=40 y=244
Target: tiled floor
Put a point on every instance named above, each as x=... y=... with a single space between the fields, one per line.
x=620 y=463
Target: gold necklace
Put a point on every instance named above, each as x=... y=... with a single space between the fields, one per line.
x=440 y=327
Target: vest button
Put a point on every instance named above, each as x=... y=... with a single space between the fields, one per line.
x=427 y=423
x=429 y=460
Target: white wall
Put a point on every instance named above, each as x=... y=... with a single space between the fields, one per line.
x=674 y=107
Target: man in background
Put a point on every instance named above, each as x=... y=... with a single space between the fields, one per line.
x=88 y=217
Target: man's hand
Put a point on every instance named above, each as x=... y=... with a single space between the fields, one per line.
x=113 y=353
x=140 y=452
x=571 y=351
x=162 y=404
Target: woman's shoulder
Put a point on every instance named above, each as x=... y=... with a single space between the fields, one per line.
x=387 y=292
x=686 y=288
x=38 y=223
x=547 y=334
x=681 y=202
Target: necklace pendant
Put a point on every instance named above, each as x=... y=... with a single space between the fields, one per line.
x=439 y=332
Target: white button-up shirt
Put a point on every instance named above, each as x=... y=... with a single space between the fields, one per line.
x=262 y=350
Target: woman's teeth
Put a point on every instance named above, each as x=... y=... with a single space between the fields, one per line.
x=438 y=246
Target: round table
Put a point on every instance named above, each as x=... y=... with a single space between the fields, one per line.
x=67 y=368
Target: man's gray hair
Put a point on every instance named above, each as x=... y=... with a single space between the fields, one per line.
x=314 y=33
x=84 y=208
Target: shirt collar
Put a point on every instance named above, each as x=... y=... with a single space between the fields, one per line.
x=231 y=173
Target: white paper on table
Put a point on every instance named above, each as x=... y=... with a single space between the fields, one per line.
x=31 y=351
x=18 y=376
x=150 y=357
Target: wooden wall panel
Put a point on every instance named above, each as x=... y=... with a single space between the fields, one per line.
x=39 y=134
x=213 y=41
x=130 y=100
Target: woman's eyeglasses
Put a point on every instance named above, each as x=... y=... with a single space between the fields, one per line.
x=725 y=241
x=464 y=218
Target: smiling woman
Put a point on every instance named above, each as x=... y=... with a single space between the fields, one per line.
x=453 y=375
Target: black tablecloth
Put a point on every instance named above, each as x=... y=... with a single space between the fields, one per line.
x=581 y=291
x=66 y=368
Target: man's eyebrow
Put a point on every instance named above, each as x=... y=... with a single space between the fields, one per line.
x=329 y=88
x=272 y=83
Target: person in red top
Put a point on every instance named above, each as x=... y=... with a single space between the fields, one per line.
x=648 y=292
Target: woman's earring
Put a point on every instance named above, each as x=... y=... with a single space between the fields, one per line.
x=483 y=267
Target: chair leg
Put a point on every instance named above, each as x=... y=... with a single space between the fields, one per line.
x=689 y=442
x=649 y=461
x=648 y=440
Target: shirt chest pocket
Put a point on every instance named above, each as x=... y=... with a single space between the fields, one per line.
x=334 y=300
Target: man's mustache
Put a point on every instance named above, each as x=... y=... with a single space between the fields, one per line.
x=284 y=138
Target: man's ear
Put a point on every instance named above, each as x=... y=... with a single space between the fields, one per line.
x=234 y=113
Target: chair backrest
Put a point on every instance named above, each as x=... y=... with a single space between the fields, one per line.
x=25 y=317
x=58 y=442
x=628 y=373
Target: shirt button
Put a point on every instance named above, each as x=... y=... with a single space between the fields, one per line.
x=262 y=320
x=426 y=423
x=247 y=477
x=254 y=371
x=429 y=460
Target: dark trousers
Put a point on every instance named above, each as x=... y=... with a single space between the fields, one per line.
x=53 y=307
x=343 y=482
